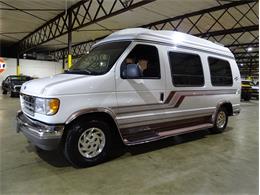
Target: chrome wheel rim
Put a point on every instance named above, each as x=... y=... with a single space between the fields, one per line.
x=221 y=119
x=91 y=142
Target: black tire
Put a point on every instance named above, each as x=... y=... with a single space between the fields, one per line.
x=12 y=94
x=71 y=149
x=247 y=97
x=217 y=128
x=4 y=92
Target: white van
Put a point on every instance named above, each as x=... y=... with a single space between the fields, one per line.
x=136 y=85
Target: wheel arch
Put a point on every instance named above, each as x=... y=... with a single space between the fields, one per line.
x=104 y=114
x=227 y=105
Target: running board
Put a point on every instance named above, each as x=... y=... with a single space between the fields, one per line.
x=153 y=136
x=146 y=134
x=185 y=130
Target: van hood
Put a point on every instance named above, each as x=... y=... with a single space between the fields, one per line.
x=39 y=87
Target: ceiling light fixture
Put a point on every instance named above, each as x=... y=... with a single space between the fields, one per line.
x=249 y=49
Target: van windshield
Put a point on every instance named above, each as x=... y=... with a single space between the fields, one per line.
x=100 y=59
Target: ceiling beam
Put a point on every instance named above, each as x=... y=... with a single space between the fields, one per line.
x=247 y=57
x=25 y=12
x=199 y=15
x=196 y=13
x=246 y=62
x=243 y=45
x=246 y=53
x=223 y=12
x=229 y=31
x=30 y=10
x=246 y=65
x=11 y=33
x=58 y=26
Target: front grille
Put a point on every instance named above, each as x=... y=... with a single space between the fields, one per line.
x=17 y=88
x=28 y=104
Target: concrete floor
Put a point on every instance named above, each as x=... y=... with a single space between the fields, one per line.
x=196 y=163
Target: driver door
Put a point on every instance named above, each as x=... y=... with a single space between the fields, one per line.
x=138 y=99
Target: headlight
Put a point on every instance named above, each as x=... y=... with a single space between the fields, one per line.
x=40 y=105
x=47 y=106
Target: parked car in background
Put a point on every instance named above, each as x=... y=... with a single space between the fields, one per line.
x=12 y=84
x=255 y=90
x=246 y=90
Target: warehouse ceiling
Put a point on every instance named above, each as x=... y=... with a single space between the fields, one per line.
x=92 y=19
x=20 y=17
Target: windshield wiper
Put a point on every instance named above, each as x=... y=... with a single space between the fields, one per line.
x=78 y=71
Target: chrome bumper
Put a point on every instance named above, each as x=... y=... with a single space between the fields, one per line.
x=44 y=136
x=236 y=109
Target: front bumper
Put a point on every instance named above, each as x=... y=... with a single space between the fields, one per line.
x=236 y=109
x=255 y=93
x=16 y=89
x=46 y=137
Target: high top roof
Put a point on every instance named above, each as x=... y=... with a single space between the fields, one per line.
x=167 y=37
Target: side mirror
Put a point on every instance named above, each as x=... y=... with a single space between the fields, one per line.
x=132 y=71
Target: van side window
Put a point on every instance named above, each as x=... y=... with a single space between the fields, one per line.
x=146 y=58
x=186 y=69
x=220 y=72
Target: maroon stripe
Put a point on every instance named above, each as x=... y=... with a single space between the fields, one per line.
x=181 y=98
x=199 y=93
x=179 y=101
x=169 y=98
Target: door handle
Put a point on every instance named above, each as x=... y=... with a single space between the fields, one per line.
x=161 y=97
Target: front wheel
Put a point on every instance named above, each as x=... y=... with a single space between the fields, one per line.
x=88 y=143
x=221 y=121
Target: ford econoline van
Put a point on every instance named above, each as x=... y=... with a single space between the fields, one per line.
x=136 y=86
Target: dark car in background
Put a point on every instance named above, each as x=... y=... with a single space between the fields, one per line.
x=246 y=90
x=12 y=84
x=255 y=90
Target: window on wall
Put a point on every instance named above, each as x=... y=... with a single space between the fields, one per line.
x=220 y=72
x=146 y=57
x=186 y=69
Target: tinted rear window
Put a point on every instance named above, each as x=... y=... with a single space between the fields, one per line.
x=186 y=69
x=220 y=72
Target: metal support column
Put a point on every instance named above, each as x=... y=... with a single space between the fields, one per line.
x=63 y=63
x=250 y=67
x=69 y=40
x=18 y=72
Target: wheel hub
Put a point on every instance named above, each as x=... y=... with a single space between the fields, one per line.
x=91 y=142
x=221 y=119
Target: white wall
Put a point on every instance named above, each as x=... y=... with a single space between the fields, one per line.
x=33 y=68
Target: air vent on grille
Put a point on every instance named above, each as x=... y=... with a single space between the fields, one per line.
x=28 y=104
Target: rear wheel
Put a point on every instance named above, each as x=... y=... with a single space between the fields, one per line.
x=221 y=121
x=247 y=97
x=4 y=92
x=88 y=143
